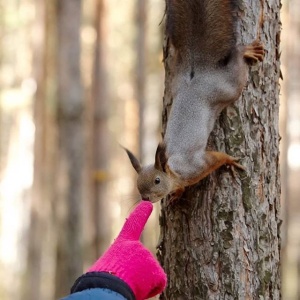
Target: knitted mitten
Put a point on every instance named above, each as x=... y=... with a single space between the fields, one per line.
x=129 y=260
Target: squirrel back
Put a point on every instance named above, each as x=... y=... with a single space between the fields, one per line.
x=202 y=31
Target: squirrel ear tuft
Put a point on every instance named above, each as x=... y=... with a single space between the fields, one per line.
x=134 y=161
x=160 y=157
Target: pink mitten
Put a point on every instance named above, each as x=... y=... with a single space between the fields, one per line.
x=129 y=260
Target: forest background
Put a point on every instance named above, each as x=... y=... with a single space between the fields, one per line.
x=66 y=185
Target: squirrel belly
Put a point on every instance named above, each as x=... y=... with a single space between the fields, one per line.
x=197 y=103
x=186 y=167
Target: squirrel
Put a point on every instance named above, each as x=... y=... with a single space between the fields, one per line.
x=210 y=72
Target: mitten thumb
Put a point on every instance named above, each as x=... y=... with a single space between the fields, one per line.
x=135 y=223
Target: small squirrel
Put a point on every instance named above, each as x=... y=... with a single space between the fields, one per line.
x=210 y=72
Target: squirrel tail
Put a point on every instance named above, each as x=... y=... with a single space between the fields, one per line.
x=201 y=31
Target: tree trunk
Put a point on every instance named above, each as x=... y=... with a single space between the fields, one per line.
x=32 y=282
x=100 y=104
x=141 y=71
x=221 y=239
x=70 y=142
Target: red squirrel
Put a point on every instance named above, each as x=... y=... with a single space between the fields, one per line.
x=210 y=72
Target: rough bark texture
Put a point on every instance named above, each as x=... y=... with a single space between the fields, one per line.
x=222 y=240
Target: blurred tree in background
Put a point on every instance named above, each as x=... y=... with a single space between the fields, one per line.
x=69 y=77
x=76 y=79
x=100 y=135
x=70 y=150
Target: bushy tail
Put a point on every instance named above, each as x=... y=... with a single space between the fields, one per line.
x=201 y=31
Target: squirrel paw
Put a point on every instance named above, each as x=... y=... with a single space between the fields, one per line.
x=175 y=196
x=254 y=52
x=233 y=162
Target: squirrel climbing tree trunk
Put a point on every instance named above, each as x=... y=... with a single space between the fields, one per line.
x=221 y=240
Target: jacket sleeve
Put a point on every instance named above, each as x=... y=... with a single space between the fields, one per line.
x=95 y=294
x=100 y=285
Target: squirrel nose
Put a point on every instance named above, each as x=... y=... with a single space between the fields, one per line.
x=146 y=198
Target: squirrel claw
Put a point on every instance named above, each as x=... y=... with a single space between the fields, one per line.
x=234 y=172
x=172 y=200
x=254 y=52
x=234 y=163
x=175 y=196
x=239 y=166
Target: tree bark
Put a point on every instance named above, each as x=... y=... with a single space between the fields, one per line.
x=221 y=240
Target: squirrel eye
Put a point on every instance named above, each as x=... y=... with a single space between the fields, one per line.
x=157 y=180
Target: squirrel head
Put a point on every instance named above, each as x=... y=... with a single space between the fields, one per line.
x=153 y=182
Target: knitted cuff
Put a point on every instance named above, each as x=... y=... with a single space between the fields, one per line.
x=103 y=280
